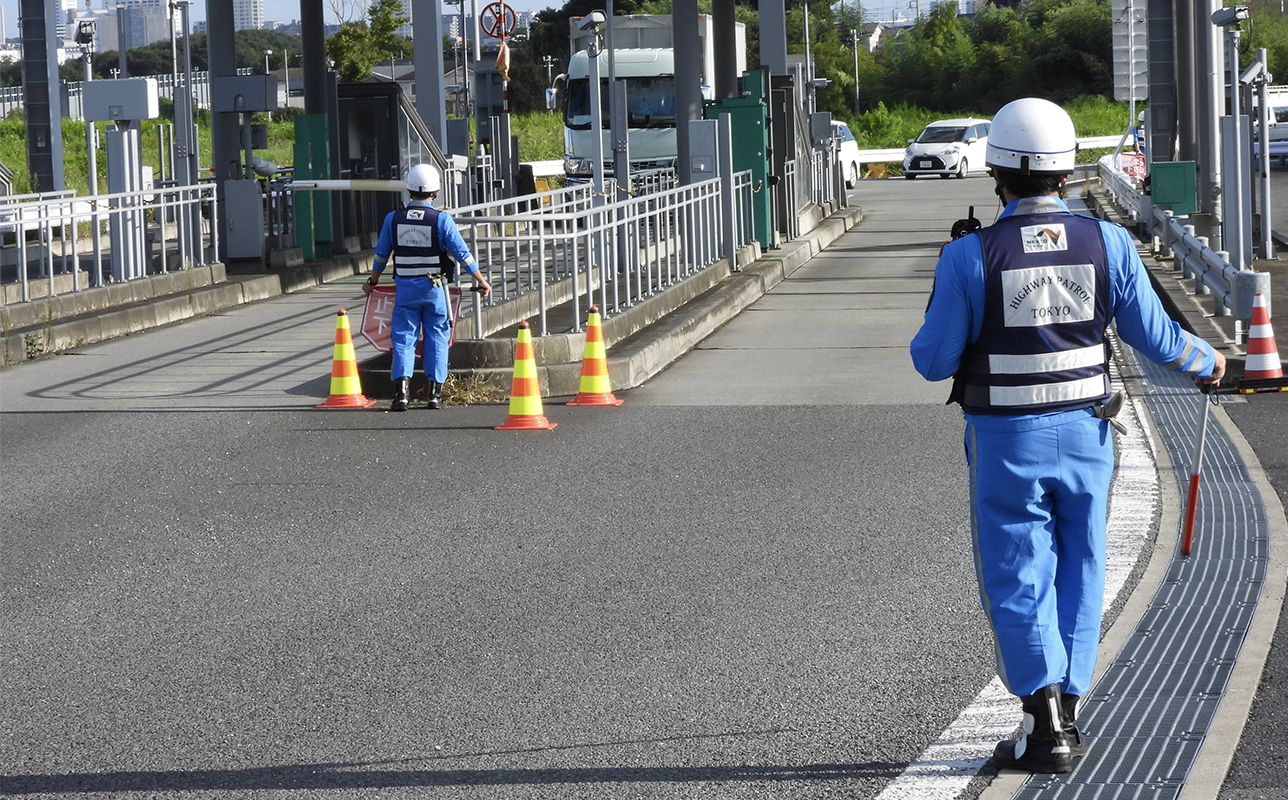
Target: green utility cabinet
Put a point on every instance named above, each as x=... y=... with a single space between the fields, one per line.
x=749 y=115
x=1175 y=184
x=313 y=234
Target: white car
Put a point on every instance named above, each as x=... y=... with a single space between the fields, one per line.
x=950 y=147
x=849 y=157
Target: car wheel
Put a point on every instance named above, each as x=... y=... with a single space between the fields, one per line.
x=962 y=169
x=853 y=180
x=909 y=175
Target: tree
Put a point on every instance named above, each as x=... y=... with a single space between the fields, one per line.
x=359 y=46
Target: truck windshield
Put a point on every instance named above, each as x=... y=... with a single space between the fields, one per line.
x=650 y=102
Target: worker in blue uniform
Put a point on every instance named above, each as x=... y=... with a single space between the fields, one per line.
x=1017 y=318
x=423 y=243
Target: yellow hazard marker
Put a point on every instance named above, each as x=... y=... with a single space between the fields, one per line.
x=594 y=388
x=526 y=413
x=346 y=388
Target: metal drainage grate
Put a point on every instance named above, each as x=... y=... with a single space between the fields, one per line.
x=1148 y=714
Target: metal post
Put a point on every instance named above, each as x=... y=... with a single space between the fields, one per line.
x=1209 y=117
x=1236 y=236
x=91 y=140
x=596 y=118
x=617 y=119
x=688 y=81
x=1263 y=160
x=729 y=221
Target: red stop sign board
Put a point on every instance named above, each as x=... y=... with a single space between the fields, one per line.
x=1133 y=164
x=378 y=314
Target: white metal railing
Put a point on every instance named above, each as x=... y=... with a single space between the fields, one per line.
x=1231 y=288
x=56 y=234
x=789 y=193
x=613 y=254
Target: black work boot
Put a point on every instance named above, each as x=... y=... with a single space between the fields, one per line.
x=402 y=394
x=435 y=395
x=1044 y=746
x=1069 y=705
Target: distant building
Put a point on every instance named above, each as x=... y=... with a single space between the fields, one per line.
x=248 y=15
x=143 y=22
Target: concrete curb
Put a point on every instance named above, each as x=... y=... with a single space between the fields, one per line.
x=65 y=321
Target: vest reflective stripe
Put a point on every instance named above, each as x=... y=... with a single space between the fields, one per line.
x=1086 y=389
x=1046 y=362
x=1041 y=346
x=416 y=252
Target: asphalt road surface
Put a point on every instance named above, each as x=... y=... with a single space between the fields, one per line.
x=751 y=580
x=211 y=587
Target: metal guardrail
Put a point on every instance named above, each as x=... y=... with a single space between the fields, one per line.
x=1232 y=289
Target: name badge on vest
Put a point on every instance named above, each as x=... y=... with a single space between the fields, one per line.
x=1048 y=295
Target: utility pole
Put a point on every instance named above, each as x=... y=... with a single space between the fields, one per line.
x=854 y=39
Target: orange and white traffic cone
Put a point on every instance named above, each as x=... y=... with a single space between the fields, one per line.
x=594 y=388
x=1263 y=355
x=346 y=388
x=526 y=413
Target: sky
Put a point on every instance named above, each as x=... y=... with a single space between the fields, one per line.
x=287 y=10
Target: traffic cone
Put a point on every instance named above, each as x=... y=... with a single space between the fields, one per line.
x=594 y=389
x=1263 y=355
x=346 y=388
x=525 y=391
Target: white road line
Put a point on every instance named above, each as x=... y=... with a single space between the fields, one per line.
x=949 y=764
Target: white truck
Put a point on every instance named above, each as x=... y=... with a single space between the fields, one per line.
x=645 y=62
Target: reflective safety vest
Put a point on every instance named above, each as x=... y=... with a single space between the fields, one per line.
x=1042 y=345
x=416 y=252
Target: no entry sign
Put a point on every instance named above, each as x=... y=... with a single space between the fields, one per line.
x=497 y=20
x=378 y=315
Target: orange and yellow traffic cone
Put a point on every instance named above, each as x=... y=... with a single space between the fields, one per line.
x=346 y=388
x=594 y=388
x=526 y=413
x=1263 y=355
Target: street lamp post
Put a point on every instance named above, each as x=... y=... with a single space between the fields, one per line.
x=267 y=53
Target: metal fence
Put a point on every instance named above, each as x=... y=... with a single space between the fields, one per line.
x=147 y=232
x=610 y=254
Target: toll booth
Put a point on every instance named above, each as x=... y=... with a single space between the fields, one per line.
x=381 y=137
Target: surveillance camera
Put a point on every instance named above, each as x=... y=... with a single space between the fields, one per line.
x=1225 y=17
x=591 y=21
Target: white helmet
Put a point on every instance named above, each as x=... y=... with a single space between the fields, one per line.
x=1032 y=136
x=423 y=179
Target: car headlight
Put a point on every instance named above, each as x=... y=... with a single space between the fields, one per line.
x=954 y=150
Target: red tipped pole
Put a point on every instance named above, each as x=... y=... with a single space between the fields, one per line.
x=1192 y=502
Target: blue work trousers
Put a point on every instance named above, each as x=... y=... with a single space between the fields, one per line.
x=1039 y=489
x=420 y=305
